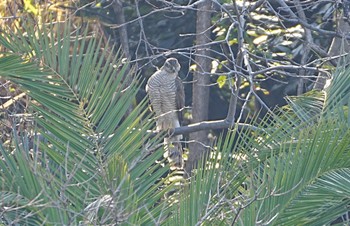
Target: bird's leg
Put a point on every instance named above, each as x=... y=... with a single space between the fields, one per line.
x=175 y=155
x=174 y=151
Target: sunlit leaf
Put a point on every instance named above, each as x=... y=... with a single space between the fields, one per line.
x=260 y=39
x=221 y=80
x=193 y=67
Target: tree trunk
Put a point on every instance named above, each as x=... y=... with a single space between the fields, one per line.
x=123 y=33
x=200 y=94
x=339 y=46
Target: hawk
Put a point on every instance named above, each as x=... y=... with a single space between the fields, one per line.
x=167 y=97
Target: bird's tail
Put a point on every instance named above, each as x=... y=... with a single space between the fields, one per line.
x=174 y=149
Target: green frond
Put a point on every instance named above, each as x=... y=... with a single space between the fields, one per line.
x=324 y=200
x=87 y=157
x=307 y=107
x=90 y=146
x=289 y=167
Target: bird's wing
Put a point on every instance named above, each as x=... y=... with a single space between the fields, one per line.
x=147 y=88
x=151 y=91
x=147 y=91
x=180 y=98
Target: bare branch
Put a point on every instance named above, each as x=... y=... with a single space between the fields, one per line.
x=210 y=125
x=295 y=19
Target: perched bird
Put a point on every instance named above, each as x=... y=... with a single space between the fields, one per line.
x=167 y=97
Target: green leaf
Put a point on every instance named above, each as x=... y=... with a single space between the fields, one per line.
x=81 y=101
x=322 y=201
x=221 y=80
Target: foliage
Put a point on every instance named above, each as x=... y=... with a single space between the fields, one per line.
x=303 y=151
x=67 y=157
x=82 y=158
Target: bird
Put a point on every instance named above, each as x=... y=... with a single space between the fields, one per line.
x=167 y=97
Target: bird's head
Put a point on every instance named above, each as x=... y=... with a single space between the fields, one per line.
x=171 y=65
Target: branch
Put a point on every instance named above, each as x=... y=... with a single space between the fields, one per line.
x=8 y=103
x=207 y=125
x=323 y=54
x=230 y=118
x=295 y=19
x=210 y=125
x=309 y=39
x=285 y=67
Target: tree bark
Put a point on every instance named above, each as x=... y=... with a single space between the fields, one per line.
x=338 y=47
x=201 y=79
x=123 y=33
x=124 y=40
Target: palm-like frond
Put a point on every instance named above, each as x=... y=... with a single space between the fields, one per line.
x=80 y=96
x=84 y=160
x=291 y=169
x=325 y=199
x=34 y=194
x=306 y=143
x=307 y=107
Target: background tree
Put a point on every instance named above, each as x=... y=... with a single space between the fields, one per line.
x=201 y=81
x=88 y=159
x=259 y=51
